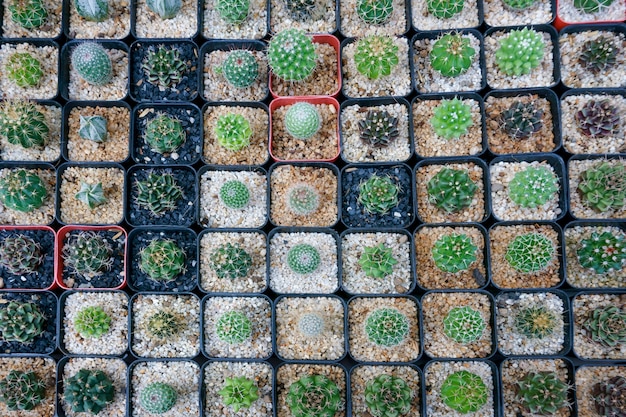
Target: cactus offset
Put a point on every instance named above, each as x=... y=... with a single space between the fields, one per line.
x=164 y=325
x=386 y=327
x=464 y=325
x=374 y=12
x=165 y=9
x=302 y=199
x=603 y=252
x=376 y=56
x=303 y=259
x=158 y=397
x=291 y=55
x=240 y=68
x=536 y=322
x=230 y=261
x=22 y=124
x=599 y=55
x=452 y=55
x=233 y=327
x=464 y=392
x=606 y=326
x=92 y=63
x=451 y=118
x=92 y=322
x=444 y=9
x=520 y=52
x=239 y=392
x=93 y=128
x=234 y=194
x=387 y=396
x=88 y=253
x=164 y=134
x=521 y=120
x=378 y=195
x=163 y=66
x=162 y=260
x=233 y=11
x=22 y=190
x=598 y=119
x=20 y=255
x=313 y=396
x=88 y=391
x=29 y=14
x=92 y=10
x=378 y=129
x=21 y=322
x=91 y=194
x=159 y=193
x=24 y=69
x=377 y=261
x=603 y=186
x=454 y=252
x=233 y=132
x=22 y=390
x=609 y=397
x=533 y=187
x=451 y=189
x=542 y=393
x=530 y=252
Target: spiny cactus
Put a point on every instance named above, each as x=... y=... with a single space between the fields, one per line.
x=376 y=56
x=165 y=9
x=233 y=11
x=164 y=325
x=464 y=324
x=314 y=395
x=464 y=392
x=88 y=253
x=533 y=187
x=29 y=14
x=603 y=252
x=378 y=195
x=609 y=397
x=93 y=128
x=303 y=259
x=302 y=120
x=21 y=322
x=454 y=252
x=233 y=132
x=239 y=392
x=91 y=194
x=24 y=69
x=163 y=66
x=598 y=54
x=535 y=322
x=230 y=261
x=92 y=322
x=22 y=124
x=378 y=129
x=387 y=395
x=521 y=120
x=92 y=10
x=22 y=390
x=158 y=397
x=386 y=327
x=592 y=6
x=452 y=55
x=520 y=52
x=233 y=327
x=302 y=199
x=311 y=324
x=291 y=55
x=606 y=326
x=162 y=260
x=451 y=189
x=22 y=190
x=234 y=194
x=451 y=118
x=164 y=134
x=603 y=186
x=301 y=10
x=598 y=119
x=542 y=392
x=92 y=63
x=374 y=12
x=20 y=255
x=240 y=68
x=518 y=4
x=444 y=9
x=89 y=391
x=530 y=252
x=377 y=261
x=159 y=193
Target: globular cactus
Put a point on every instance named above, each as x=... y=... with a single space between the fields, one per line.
x=88 y=391
x=603 y=252
x=22 y=390
x=162 y=260
x=159 y=193
x=464 y=325
x=533 y=187
x=451 y=189
x=24 y=69
x=303 y=259
x=240 y=68
x=599 y=54
x=22 y=190
x=452 y=55
x=233 y=11
x=387 y=396
x=22 y=124
x=374 y=12
x=92 y=63
x=163 y=66
x=376 y=56
x=521 y=120
x=302 y=199
x=606 y=326
x=93 y=128
x=91 y=194
x=239 y=392
x=88 y=253
x=302 y=120
x=301 y=10
x=378 y=129
x=536 y=322
x=164 y=134
x=230 y=261
x=165 y=9
x=233 y=132
x=451 y=118
x=92 y=10
x=518 y=4
x=234 y=194
x=377 y=261
x=444 y=9
x=592 y=6
x=164 y=325
x=542 y=392
x=21 y=322
x=598 y=119
x=603 y=186
x=233 y=327
x=454 y=252
x=158 y=397
x=92 y=322
x=311 y=324
x=609 y=397
x=29 y=14
x=378 y=194
x=291 y=55
x=464 y=392
x=20 y=255
x=520 y=52
x=530 y=252
x=314 y=395
x=386 y=327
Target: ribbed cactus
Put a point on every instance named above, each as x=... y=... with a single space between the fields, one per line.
x=88 y=391
x=29 y=14
x=376 y=56
x=291 y=55
x=93 y=10
x=24 y=69
x=164 y=134
x=374 y=12
x=93 y=128
x=240 y=68
x=22 y=190
x=22 y=390
x=452 y=54
x=88 y=253
x=159 y=193
x=314 y=396
x=464 y=392
x=158 y=397
x=233 y=11
x=92 y=63
x=520 y=52
x=302 y=120
x=20 y=255
x=163 y=66
x=21 y=322
x=162 y=260
x=91 y=194
x=22 y=124
x=165 y=9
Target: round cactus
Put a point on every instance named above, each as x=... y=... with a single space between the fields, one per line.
x=387 y=395
x=240 y=68
x=92 y=63
x=234 y=194
x=376 y=56
x=598 y=119
x=452 y=55
x=535 y=322
x=164 y=134
x=464 y=392
x=233 y=11
x=533 y=187
x=530 y=252
x=451 y=118
x=233 y=132
x=164 y=325
x=302 y=199
x=20 y=255
x=520 y=52
x=92 y=322
x=444 y=9
x=233 y=327
x=21 y=322
x=386 y=327
x=162 y=260
x=22 y=190
x=291 y=55
x=454 y=252
x=22 y=124
x=165 y=9
x=88 y=391
x=542 y=393
x=378 y=195
x=163 y=66
x=92 y=10
x=24 y=69
x=603 y=252
x=599 y=55
x=377 y=261
x=311 y=324
x=464 y=325
x=87 y=253
x=374 y=12
x=22 y=390
x=29 y=14
x=592 y=6
x=302 y=120
x=159 y=193
x=451 y=190
x=521 y=120
x=303 y=259
x=378 y=129
x=158 y=397
x=239 y=392
x=230 y=261
x=93 y=128
x=312 y=396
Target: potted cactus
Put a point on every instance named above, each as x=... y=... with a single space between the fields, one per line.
x=27 y=385
x=96 y=19
x=164 y=19
x=30 y=69
x=27 y=257
x=27 y=193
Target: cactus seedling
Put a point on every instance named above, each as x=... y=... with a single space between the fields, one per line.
x=162 y=260
x=377 y=261
x=24 y=69
x=464 y=392
x=374 y=12
x=302 y=199
x=386 y=327
x=88 y=253
x=451 y=190
x=376 y=56
x=29 y=14
x=521 y=120
x=234 y=194
x=314 y=396
x=164 y=325
x=159 y=193
x=303 y=259
x=451 y=118
x=22 y=190
x=92 y=10
x=452 y=55
x=22 y=124
x=378 y=129
x=233 y=131
x=598 y=119
x=240 y=68
x=387 y=396
x=230 y=261
x=302 y=120
x=163 y=66
x=239 y=392
x=165 y=9
x=21 y=322
x=91 y=194
x=158 y=397
x=89 y=391
x=93 y=128
x=606 y=326
x=444 y=9
x=535 y=322
x=530 y=252
x=164 y=134
x=22 y=390
x=533 y=187
x=233 y=327
x=518 y=4
x=592 y=6
x=464 y=325
x=542 y=392
x=291 y=55
x=233 y=11
x=454 y=252
x=520 y=52
x=20 y=255
x=311 y=324
x=603 y=186
x=603 y=252
x=609 y=397
x=92 y=322
x=599 y=54
x=378 y=195
x=92 y=63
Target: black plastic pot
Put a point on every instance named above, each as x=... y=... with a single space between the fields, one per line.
x=37 y=43
x=391 y=25
x=43 y=277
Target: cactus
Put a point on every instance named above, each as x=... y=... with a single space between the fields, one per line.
x=162 y=260
x=92 y=322
x=230 y=261
x=291 y=55
x=378 y=195
x=464 y=392
x=535 y=322
x=22 y=190
x=451 y=190
x=609 y=397
x=603 y=252
x=603 y=186
x=376 y=56
x=598 y=119
x=29 y=14
x=21 y=322
x=598 y=54
x=92 y=63
x=88 y=253
x=464 y=325
x=302 y=120
x=520 y=52
x=454 y=252
x=233 y=11
x=164 y=325
x=91 y=194
x=165 y=9
x=163 y=66
x=233 y=327
x=452 y=55
x=533 y=187
x=159 y=193
x=300 y=10
x=606 y=326
x=234 y=194
x=451 y=118
x=542 y=393
x=311 y=324
x=530 y=252
x=22 y=390
x=93 y=128
x=388 y=396
x=20 y=255
x=158 y=397
x=386 y=327
x=164 y=134
x=303 y=259
x=521 y=120
x=92 y=10
x=378 y=129
x=239 y=392
x=444 y=9
x=314 y=396
x=240 y=68
x=377 y=261
x=302 y=199
x=24 y=69
x=518 y=4
x=592 y=6
x=22 y=124
x=374 y=12
x=233 y=132
x=89 y=391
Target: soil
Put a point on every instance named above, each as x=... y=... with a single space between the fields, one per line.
x=43 y=277
x=46 y=342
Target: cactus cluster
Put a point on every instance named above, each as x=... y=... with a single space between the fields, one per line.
x=603 y=252
x=22 y=390
x=464 y=324
x=518 y=4
x=464 y=392
x=22 y=124
x=378 y=129
x=164 y=134
x=233 y=11
x=233 y=132
x=311 y=324
x=374 y=12
x=92 y=322
x=302 y=120
x=21 y=322
x=92 y=63
x=530 y=252
x=387 y=396
x=89 y=391
x=163 y=66
x=164 y=325
x=93 y=128
x=91 y=194
x=234 y=194
x=301 y=10
x=521 y=120
x=87 y=253
x=535 y=322
x=444 y=9
x=165 y=9
x=24 y=69
x=451 y=189
x=533 y=187
x=603 y=186
x=542 y=393
x=377 y=261
x=159 y=193
x=29 y=14
x=314 y=396
x=376 y=56
x=22 y=190
x=92 y=10
x=598 y=119
x=230 y=261
x=452 y=54
x=606 y=326
x=20 y=255
x=233 y=327
x=609 y=397
x=158 y=397
x=303 y=259
x=302 y=199
x=592 y=6
x=451 y=118
x=598 y=55
x=520 y=52
x=378 y=194
x=240 y=68
x=291 y=55
x=239 y=392
x=454 y=252
x=162 y=260
x=386 y=327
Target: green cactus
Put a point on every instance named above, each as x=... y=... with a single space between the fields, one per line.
x=444 y=9
x=92 y=322
x=302 y=199
x=230 y=261
x=603 y=252
x=89 y=254
x=302 y=120
x=314 y=396
x=233 y=327
x=239 y=392
x=22 y=390
x=92 y=63
x=374 y=12
x=378 y=195
x=530 y=252
x=22 y=190
x=311 y=324
x=603 y=186
x=233 y=11
x=159 y=193
x=376 y=56
x=606 y=326
x=162 y=260
x=164 y=325
x=388 y=396
x=24 y=69
x=234 y=194
x=598 y=119
x=520 y=52
x=464 y=392
x=22 y=124
x=164 y=134
x=165 y=9
x=592 y=6
x=518 y=4
x=233 y=132
x=158 y=397
x=21 y=322
x=20 y=255
x=91 y=194
x=599 y=55
x=301 y=10
x=451 y=118
x=377 y=261
x=451 y=190
x=536 y=322
x=29 y=14
x=386 y=327
x=454 y=252
x=378 y=129
x=291 y=55
x=89 y=391
x=609 y=397
x=542 y=392
x=521 y=120
x=163 y=66
x=92 y=10
x=464 y=325
x=452 y=54
x=303 y=259
x=93 y=128
x=533 y=187
x=240 y=68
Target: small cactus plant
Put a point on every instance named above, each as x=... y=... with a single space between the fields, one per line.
x=158 y=397
x=92 y=322
x=22 y=190
x=592 y=6
x=606 y=326
x=230 y=261
x=464 y=325
x=22 y=390
x=233 y=132
x=378 y=129
x=536 y=322
x=88 y=391
x=164 y=134
x=92 y=63
x=93 y=128
x=603 y=186
x=520 y=52
x=87 y=253
x=386 y=327
x=24 y=69
x=542 y=393
x=521 y=120
x=239 y=392
x=91 y=194
x=464 y=392
x=302 y=199
x=234 y=194
x=20 y=255
x=387 y=395
x=451 y=118
x=233 y=11
x=291 y=55
x=378 y=195
x=533 y=186
x=608 y=396
x=164 y=325
x=159 y=193
x=376 y=56
x=374 y=12
x=452 y=54
x=29 y=14
x=518 y=4
x=454 y=252
x=598 y=119
x=603 y=252
x=165 y=9
x=22 y=124
x=162 y=260
x=240 y=68
x=163 y=66
x=233 y=327
x=451 y=189
x=377 y=261
x=530 y=252
x=314 y=396
x=444 y=9
x=302 y=120
x=92 y=10
x=21 y=322
x=303 y=259
x=311 y=324
x=599 y=54
x=301 y=10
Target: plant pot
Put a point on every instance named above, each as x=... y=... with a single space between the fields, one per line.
x=470 y=16
x=44 y=214
x=116 y=25
x=50 y=27
x=46 y=52
x=537 y=13
x=592 y=377
x=44 y=369
x=147 y=24
x=324 y=18
x=567 y=15
x=396 y=24
x=255 y=26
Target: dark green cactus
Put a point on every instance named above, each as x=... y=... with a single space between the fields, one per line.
x=542 y=393
x=92 y=322
x=162 y=260
x=22 y=190
x=599 y=54
x=606 y=326
x=521 y=120
x=452 y=54
x=378 y=195
x=598 y=119
x=20 y=255
x=603 y=252
x=451 y=189
x=239 y=392
x=230 y=261
x=158 y=397
x=374 y=12
x=93 y=128
x=314 y=396
x=22 y=124
x=24 y=69
x=88 y=391
x=164 y=325
x=29 y=14
x=378 y=129
x=22 y=390
x=21 y=322
x=91 y=194
x=88 y=253
x=163 y=66
x=159 y=193
x=164 y=134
